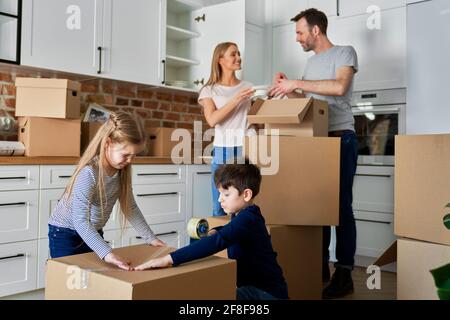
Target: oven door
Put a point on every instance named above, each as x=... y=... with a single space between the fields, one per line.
x=376 y=128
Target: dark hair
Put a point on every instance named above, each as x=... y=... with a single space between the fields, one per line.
x=241 y=175
x=313 y=17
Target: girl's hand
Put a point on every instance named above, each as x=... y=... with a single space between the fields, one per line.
x=244 y=94
x=118 y=261
x=158 y=243
x=162 y=262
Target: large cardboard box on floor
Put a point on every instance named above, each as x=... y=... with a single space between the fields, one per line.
x=87 y=277
x=300 y=179
x=299 y=117
x=299 y=254
x=45 y=137
x=414 y=260
x=50 y=98
x=422 y=187
x=88 y=132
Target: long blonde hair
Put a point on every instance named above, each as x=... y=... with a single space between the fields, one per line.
x=216 y=69
x=121 y=127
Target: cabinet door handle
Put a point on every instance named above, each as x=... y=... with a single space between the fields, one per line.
x=14 y=204
x=373 y=175
x=368 y=220
x=156 y=194
x=12 y=257
x=13 y=178
x=201 y=173
x=64 y=177
x=164 y=71
x=99 y=60
x=338 y=9
x=157 y=174
x=200 y=18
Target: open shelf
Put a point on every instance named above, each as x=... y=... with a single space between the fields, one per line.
x=175 y=33
x=180 y=6
x=174 y=61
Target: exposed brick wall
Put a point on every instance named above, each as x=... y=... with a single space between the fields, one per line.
x=159 y=107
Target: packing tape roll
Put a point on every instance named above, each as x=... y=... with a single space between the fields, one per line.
x=197 y=228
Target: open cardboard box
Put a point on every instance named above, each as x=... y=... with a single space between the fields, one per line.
x=86 y=277
x=297 y=117
x=299 y=254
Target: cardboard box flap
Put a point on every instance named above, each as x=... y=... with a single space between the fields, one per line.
x=389 y=256
x=138 y=255
x=272 y=111
x=48 y=83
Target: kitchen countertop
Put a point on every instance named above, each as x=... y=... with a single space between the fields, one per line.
x=74 y=160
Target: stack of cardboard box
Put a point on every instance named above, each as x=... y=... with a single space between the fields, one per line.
x=48 y=112
x=422 y=198
x=300 y=192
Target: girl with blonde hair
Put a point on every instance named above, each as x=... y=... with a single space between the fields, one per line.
x=226 y=101
x=102 y=177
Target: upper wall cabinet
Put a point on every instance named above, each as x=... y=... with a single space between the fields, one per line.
x=109 y=38
x=348 y=8
x=329 y=7
x=255 y=12
x=284 y=10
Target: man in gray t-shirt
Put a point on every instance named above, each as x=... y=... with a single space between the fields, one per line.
x=329 y=76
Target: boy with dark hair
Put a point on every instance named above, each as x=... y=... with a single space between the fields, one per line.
x=259 y=277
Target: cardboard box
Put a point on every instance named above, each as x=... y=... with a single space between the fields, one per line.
x=299 y=254
x=300 y=185
x=88 y=132
x=212 y=278
x=422 y=187
x=50 y=98
x=45 y=137
x=298 y=117
x=414 y=260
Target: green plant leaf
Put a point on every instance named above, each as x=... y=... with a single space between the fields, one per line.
x=448 y=205
x=447 y=221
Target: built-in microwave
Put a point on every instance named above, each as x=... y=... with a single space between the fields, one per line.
x=379 y=117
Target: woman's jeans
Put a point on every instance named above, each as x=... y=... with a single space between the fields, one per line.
x=66 y=242
x=221 y=155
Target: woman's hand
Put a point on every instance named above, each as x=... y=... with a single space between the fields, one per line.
x=118 y=261
x=158 y=243
x=162 y=262
x=243 y=94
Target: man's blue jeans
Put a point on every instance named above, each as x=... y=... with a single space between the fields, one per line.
x=220 y=156
x=346 y=231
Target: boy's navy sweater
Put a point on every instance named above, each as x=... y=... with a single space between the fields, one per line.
x=248 y=242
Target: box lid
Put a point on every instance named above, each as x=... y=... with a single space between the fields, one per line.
x=279 y=111
x=137 y=255
x=48 y=83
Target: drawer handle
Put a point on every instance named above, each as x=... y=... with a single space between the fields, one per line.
x=64 y=177
x=159 y=234
x=204 y=172
x=367 y=220
x=19 y=204
x=374 y=175
x=12 y=257
x=13 y=178
x=157 y=174
x=157 y=194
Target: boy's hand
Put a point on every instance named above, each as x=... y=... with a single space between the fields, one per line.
x=211 y=232
x=118 y=261
x=162 y=262
x=158 y=243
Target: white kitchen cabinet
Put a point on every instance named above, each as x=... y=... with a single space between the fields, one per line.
x=381 y=52
x=18 y=266
x=9 y=6
x=113 y=238
x=21 y=177
x=172 y=234
x=62 y=35
x=9 y=35
x=347 y=8
x=415 y=1
x=373 y=189
x=192 y=35
x=48 y=199
x=255 y=12
x=254 y=58
x=329 y=7
x=288 y=56
x=19 y=215
x=56 y=177
x=284 y=10
x=157 y=174
x=43 y=256
x=199 y=192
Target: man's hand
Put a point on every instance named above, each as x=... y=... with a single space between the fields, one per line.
x=162 y=262
x=118 y=261
x=283 y=87
x=279 y=76
x=158 y=243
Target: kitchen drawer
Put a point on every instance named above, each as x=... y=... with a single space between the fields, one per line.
x=19 y=177
x=54 y=177
x=48 y=200
x=161 y=203
x=43 y=256
x=152 y=174
x=114 y=219
x=18 y=263
x=373 y=189
x=375 y=233
x=173 y=234
x=18 y=215
x=113 y=237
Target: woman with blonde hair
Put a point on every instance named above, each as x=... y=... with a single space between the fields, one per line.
x=226 y=101
x=102 y=177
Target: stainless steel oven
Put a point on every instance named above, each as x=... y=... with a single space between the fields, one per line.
x=379 y=117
